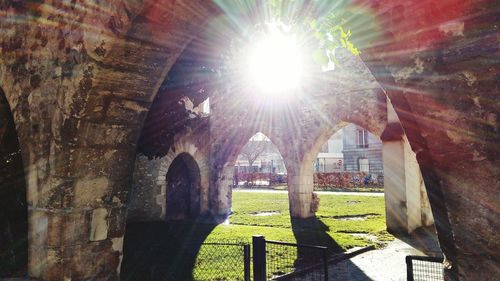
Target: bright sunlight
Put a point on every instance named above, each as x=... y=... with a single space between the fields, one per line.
x=275 y=64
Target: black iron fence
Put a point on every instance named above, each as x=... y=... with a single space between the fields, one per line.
x=223 y=261
x=275 y=260
x=420 y=268
x=271 y=260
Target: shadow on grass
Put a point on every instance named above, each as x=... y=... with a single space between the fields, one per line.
x=168 y=251
x=312 y=231
x=163 y=251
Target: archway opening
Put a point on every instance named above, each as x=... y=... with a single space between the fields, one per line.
x=350 y=160
x=13 y=206
x=260 y=164
x=377 y=186
x=183 y=188
x=166 y=248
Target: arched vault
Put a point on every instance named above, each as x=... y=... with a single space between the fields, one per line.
x=80 y=78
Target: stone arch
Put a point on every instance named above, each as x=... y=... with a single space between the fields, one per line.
x=369 y=113
x=254 y=149
x=13 y=197
x=222 y=182
x=182 y=188
x=407 y=203
x=199 y=172
x=301 y=172
x=310 y=155
x=325 y=136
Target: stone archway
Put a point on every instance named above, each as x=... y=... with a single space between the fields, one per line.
x=229 y=142
x=148 y=199
x=13 y=205
x=182 y=188
x=407 y=203
x=192 y=159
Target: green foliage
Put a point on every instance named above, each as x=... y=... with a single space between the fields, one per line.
x=329 y=29
x=325 y=24
x=332 y=33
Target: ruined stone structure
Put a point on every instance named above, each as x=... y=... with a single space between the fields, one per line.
x=82 y=80
x=148 y=196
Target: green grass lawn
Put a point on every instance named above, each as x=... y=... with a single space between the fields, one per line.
x=174 y=251
x=244 y=224
x=330 y=227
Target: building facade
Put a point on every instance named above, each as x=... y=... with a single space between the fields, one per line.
x=362 y=151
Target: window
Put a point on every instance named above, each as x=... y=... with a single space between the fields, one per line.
x=364 y=165
x=361 y=138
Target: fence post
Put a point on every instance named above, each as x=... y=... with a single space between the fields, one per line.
x=259 y=257
x=409 y=268
x=325 y=263
x=246 y=262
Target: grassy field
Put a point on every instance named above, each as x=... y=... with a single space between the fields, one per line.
x=318 y=188
x=332 y=217
x=158 y=249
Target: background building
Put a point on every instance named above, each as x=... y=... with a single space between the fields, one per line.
x=330 y=158
x=362 y=151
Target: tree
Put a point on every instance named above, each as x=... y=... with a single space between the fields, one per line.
x=254 y=148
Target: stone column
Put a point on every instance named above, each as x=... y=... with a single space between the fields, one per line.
x=300 y=188
x=77 y=224
x=394 y=186
x=402 y=187
x=221 y=191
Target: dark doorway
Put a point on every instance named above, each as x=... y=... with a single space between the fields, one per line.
x=13 y=207
x=183 y=188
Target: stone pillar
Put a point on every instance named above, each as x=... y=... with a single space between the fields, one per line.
x=403 y=187
x=77 y=223
x=300 y=189
x=405 y=196
x=221 y=191
x=394 y=186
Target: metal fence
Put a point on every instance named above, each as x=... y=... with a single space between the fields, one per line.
x=223 y=261
x=275 y=260
x=420 y=268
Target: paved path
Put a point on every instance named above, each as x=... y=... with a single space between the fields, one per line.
x=386 y=264
x=318 y=192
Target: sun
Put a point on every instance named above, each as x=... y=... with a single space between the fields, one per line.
x=274 y=66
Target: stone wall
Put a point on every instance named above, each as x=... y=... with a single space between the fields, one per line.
x=79 y=78
x=145 y=202
x=437 y=62
x=148 y=196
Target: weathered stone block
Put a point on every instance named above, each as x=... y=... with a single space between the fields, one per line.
x=90 y=191
x=99 y=225
x=117 y=220
x=115 y=163
x=126 y=111
x=98 y=134
x=76 y=228
x=91 y=261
